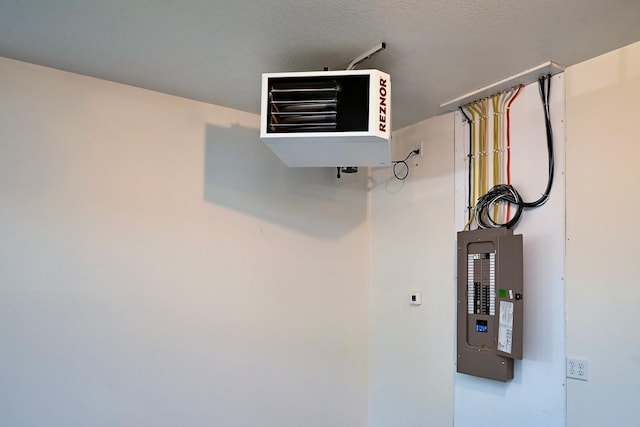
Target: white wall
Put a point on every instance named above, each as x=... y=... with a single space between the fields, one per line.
x=413 y=248
x=536 y=395
x=413 y=226
x=603 y=274
x=159 y=266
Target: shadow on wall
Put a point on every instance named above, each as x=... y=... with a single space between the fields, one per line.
x=243 y=174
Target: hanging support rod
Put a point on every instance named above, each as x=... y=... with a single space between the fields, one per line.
x=366 y=55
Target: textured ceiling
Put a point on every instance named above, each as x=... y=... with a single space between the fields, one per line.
x=215 y=50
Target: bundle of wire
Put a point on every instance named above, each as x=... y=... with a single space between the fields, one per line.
x=506 y=192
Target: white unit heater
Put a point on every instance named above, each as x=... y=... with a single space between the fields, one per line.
x=327 y=118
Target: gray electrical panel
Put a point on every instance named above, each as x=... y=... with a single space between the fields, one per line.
x=489 y=305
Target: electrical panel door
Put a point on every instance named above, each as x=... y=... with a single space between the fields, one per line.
x=489 y=305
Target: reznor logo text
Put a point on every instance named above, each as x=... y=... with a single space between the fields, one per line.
x=383 y=105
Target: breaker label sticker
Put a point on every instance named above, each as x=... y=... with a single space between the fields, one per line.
x=505 y=328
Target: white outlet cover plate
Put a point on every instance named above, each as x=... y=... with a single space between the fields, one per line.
x=578 y=369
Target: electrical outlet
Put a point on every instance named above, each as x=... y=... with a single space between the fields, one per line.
x=578 y=369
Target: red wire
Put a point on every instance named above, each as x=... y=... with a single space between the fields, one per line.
x=509 y=144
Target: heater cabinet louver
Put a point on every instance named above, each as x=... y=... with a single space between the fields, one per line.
x=303 y=106
x=327 y=118
x=318 y=104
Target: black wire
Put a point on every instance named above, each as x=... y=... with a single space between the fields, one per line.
x=508 y=193
x=544 y=84
x=470 y=156
x=499 y=192
x=404 y=162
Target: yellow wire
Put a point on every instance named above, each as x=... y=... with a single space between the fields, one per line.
x=484 y=147
x=473 y=111
x=467 y=226
x=479 y=112
x=476 y=130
